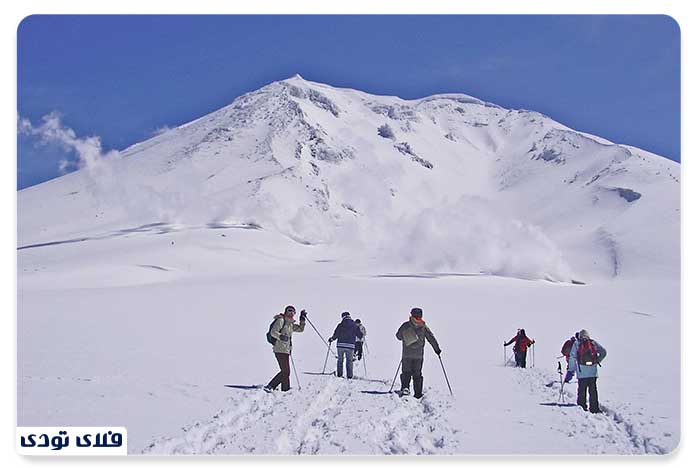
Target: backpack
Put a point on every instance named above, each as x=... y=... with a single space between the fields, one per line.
x=587 y=353
x=567 y=346
x=270 y=337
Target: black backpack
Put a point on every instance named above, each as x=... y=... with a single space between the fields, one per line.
x=270 y=337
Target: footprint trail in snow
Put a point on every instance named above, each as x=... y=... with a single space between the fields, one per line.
x=329 y=416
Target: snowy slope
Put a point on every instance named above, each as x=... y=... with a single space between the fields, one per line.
x=467 y=185
x=147 y=279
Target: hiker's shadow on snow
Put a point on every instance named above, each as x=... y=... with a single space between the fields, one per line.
x=244 y=387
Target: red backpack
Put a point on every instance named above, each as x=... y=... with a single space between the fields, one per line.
x=567 y=346
x=587 y=353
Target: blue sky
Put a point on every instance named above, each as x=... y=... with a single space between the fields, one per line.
x=124 y=77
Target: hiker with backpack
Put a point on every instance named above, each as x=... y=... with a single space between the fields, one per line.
x=280 y=336
x=585 y=355
x=360 y=340
x=522 y=342
x=412 y=335
x=565 y=352
x=567 y=346
x=345 y=334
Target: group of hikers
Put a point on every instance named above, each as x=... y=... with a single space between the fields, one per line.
x=349 y=336
x=583 y=354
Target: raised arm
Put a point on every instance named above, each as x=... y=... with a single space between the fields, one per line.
x=298 y=327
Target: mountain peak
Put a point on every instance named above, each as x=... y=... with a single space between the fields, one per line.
x=295 y=78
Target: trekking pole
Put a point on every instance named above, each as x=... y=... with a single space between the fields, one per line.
x=299 y=387
x=561 y=397
x=394 y=381
x=328 y=348
x=321 y=337
x=364 y=359
x=443 y=371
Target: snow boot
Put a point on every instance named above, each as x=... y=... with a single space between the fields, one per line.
x=418 y=386
x=267 y=389
x=404 y=392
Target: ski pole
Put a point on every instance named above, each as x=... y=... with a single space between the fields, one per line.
x=397 y=373
x=443 y=371
x=328 y=348
x=561 y=398
x=364 y=358
x=504 y=355
x=321 y=337
x=299 y=387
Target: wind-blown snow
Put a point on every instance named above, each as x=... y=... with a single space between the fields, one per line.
x=462 y=183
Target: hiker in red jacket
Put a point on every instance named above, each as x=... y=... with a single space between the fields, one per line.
x=522 y=342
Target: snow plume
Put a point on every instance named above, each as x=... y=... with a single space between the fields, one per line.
x=472 y=236
x=112 y=184
x=88 y=150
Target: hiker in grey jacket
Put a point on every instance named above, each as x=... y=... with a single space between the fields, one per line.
x=360 y=340
x=282 y=330
x=585 y=357
x=412 y=335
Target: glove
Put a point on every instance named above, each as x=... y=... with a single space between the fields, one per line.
x=284 y=337
x=438 y=351
x=331 y=339
x=568 y=376
x=303 y=315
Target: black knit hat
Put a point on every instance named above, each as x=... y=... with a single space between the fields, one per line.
x=345 y=314
x=357 y=321
x=417 y=312
x=290 y=309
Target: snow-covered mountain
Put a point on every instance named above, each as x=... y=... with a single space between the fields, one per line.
x=146 y=280
x=443 y=183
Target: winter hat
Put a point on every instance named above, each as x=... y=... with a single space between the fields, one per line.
x=345 y=314
x=290 y=309
x=417 y=312
x=357 y=321
x=583 y=334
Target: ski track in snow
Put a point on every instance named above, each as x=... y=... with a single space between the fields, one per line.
x=611 y=432
x=328 y=416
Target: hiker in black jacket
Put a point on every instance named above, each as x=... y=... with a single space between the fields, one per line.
x=345 y=334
